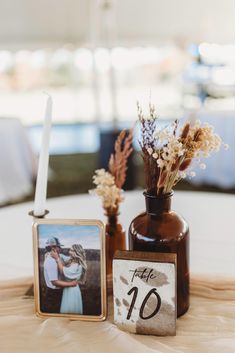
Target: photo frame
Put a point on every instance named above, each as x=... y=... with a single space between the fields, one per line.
x=69 y=269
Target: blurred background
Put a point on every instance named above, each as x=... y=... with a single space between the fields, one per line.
x=97 y=58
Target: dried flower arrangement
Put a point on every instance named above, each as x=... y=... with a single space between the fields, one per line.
x=168 y=155
x=109 y=183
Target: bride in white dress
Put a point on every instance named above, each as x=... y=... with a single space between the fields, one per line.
x=75 y=269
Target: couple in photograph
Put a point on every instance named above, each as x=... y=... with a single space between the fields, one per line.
x=62 y=275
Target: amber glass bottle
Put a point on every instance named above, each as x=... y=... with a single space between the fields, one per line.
x=115 y=239
x=162 y=230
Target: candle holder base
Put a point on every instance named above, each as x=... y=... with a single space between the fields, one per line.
x=30 y=290
x=31 y=213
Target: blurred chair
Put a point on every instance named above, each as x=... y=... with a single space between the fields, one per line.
x=220 y=167
x=18 y=162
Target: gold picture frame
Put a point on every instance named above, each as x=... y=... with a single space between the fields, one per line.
x=49 y=235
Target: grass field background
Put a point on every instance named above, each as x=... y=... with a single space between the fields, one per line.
x=91 y=290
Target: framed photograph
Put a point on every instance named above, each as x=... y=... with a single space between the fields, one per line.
x=69 y=269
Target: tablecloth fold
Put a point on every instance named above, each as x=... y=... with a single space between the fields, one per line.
x=209 y=325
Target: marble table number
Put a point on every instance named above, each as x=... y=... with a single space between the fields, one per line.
x=144 y=292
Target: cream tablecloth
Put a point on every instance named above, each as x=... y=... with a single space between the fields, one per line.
x=208 y=327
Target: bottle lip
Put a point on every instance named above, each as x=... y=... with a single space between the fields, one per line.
x=112 y=214
x=151 y=195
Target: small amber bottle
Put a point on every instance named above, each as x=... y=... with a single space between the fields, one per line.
x=115 y=240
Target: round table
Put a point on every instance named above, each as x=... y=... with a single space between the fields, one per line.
x=210 y=217
x=209 y=325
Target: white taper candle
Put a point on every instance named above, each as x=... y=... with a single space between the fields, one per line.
x=41 y=185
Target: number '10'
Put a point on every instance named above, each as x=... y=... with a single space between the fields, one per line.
x=141 y=313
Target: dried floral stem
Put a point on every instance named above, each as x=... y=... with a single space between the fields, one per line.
x=118 y=160
x=109 y=184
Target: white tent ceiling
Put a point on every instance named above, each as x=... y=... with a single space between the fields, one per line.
x=31 y=22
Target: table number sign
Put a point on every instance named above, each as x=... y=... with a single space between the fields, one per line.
x=144 y=292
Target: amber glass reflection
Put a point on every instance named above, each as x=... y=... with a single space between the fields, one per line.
x=115 y=240
x=162 y=230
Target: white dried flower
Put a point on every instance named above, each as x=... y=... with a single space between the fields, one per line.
x=163 y=135
x=155 y=155
x=192 y=174
x=183 y=175
x=172 y=151
x=106 y=189
x=160 y=163
x=202 y=166
x=150 y=150
x=103 y=177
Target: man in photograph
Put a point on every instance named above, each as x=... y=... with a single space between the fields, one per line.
x=54 y=283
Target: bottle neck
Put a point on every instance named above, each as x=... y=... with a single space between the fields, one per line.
x=112 y=218
x=157 y=204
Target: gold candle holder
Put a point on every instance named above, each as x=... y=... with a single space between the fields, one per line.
x=31 y=213
x=30 y=291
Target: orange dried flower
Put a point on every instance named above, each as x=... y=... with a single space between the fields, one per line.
x=185 y=131
x=118 y=160
x=185 y=164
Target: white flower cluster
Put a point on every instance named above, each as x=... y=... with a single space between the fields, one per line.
x=106 y=189
x=172 y=149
